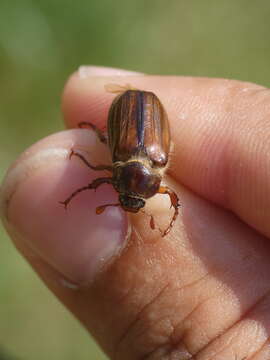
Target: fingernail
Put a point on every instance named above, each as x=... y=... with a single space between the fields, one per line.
x=87 y=71
x=76 y=242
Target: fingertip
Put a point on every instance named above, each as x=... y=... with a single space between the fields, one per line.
x=85 y=71
x=83 y=96
x=83 y=101
x=75 y=242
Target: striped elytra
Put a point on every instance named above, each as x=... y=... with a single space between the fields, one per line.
x=138 y=127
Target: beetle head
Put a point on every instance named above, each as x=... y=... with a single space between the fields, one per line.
x=131 y=204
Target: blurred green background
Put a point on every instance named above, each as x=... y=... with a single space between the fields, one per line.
x=41 y=43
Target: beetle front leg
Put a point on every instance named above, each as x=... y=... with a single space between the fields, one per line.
x=86 y=162
x=152 y=221
x=100 y=209
x=102 y=137
x=174 y=202
x=92 y=186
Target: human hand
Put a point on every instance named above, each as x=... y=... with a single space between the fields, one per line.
x=201 y=291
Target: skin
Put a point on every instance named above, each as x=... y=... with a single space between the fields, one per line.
x=202 y=292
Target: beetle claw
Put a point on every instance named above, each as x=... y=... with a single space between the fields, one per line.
x=64 y=203
x=71 y=153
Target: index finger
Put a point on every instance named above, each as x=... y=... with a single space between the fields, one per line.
x=219 y=128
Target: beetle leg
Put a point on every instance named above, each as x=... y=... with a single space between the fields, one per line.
x=174 y=202
x=100 y=209
x=97 y=167
x=102 y=137
x=152 y=221
x=93 y=185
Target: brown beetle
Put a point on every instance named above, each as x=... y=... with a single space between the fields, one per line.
x=139 y=141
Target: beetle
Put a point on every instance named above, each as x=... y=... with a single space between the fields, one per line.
x=139 y=141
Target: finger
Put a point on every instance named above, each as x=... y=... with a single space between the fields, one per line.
x=41 y=178
x=86 y=71
x=149 y=297
x=220 y=133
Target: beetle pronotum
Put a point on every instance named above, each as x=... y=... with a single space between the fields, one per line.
x=139 y=141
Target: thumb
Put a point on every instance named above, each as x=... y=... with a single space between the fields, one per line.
x=90 y=262
x=140 y=295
